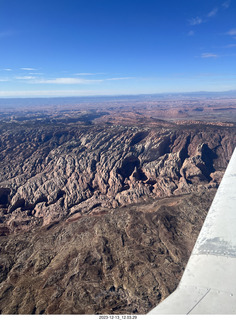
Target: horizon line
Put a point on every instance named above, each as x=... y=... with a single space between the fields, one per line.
x=118 y=95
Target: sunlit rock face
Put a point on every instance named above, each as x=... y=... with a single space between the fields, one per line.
x=53 y=173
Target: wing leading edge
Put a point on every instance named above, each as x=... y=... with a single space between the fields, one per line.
x=208 y=285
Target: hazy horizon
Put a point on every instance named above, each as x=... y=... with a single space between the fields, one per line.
x=144 y=96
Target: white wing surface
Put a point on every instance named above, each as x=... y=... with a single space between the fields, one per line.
x=208 y=285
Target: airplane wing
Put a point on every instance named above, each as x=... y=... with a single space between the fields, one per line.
x=208 y=285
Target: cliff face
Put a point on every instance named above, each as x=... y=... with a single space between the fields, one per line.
x=56 y=173
x=102 y=218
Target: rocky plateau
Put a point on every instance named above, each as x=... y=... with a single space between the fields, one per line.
x=101 y=216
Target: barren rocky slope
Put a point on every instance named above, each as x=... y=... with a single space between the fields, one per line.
x=102 y=218
x=122 y=260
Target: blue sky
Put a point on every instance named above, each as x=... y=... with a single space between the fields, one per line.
x=109 y=47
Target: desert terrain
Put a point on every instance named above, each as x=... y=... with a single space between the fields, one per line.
x=101 y=201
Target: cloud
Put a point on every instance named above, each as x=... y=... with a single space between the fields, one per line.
x=56 y=93
x=28 y=69
x=115 y=79
x=191 y=33
x=87 y=74
x=4 y=80
x=226 y=4
x=195 y=21
x=71 y=80
x=7 y=69
x=212 y=13
x=66 y=81
x=209 y=55
x=231 y=32
x=25 y=78
x=198 y=20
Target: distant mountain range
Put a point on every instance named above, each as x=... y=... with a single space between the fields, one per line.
x=13 y=102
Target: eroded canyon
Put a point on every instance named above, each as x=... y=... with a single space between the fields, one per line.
x=99 y=212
